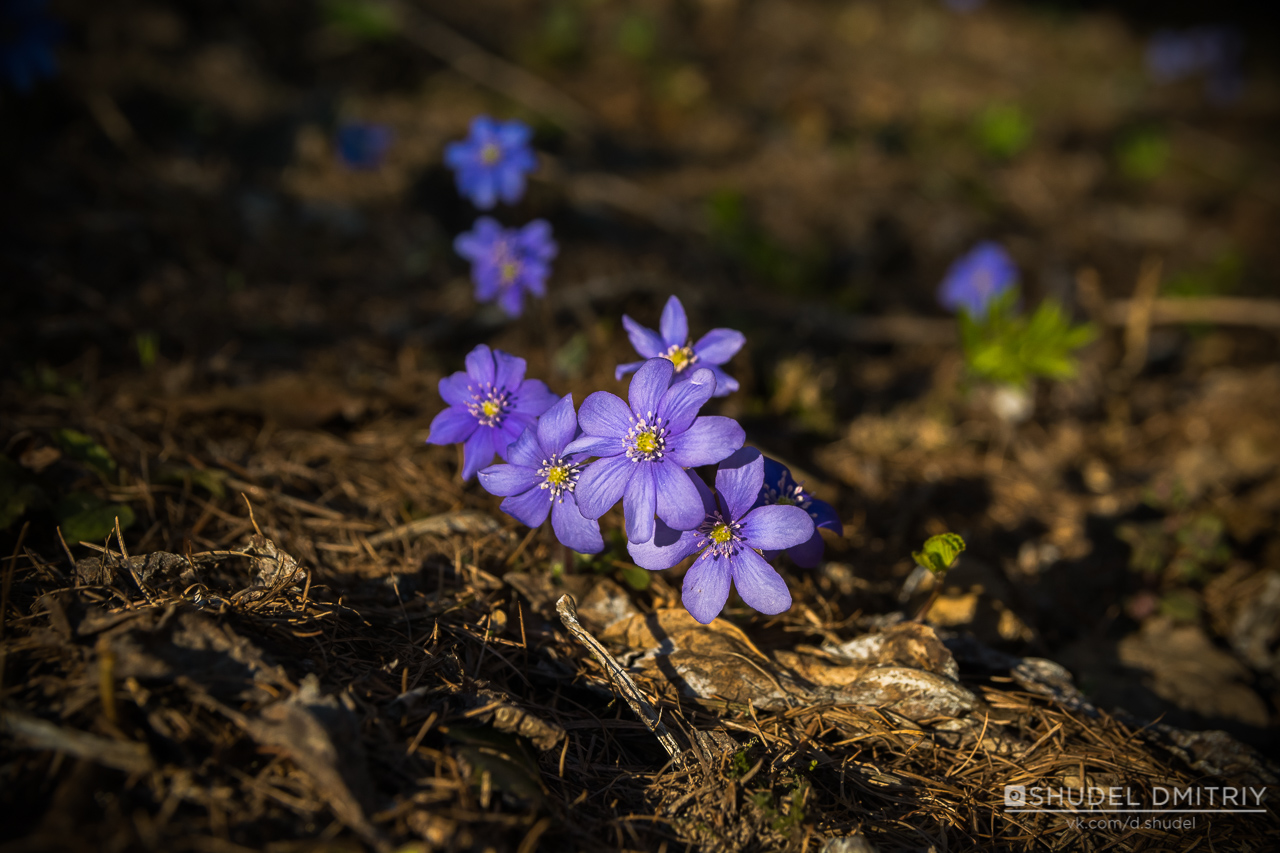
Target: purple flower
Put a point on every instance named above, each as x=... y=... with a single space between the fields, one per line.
x=976 y=278
x=489 y=406
x=491 y=163
x=363 y=146
x=780 y=489
x=733 y=527
x=643 y=449
x=1214 y=50
x=506 y=262
x=542 y=478
x=712 y=349
x=27 y=37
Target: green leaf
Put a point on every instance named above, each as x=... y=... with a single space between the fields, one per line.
x=636 y=578
x=361 y=19
x=88 y=518
x=84 y=449
x=940 y=552
x=211 y=480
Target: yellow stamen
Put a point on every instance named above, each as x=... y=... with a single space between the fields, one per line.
x=558 y=476
x=646 y=442
x=490 y=408
x=720 y=533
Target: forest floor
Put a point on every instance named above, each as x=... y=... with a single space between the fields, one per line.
x=292 y=626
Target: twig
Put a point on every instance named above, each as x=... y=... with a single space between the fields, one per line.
x=8 y=575
x=630 y=692
x=1221 y=311
x=471 y=60
x=466 y=521
x=1137 y=327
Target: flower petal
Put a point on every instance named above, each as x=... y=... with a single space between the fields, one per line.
x=710 y=439
x=478 y=452
x=454 y=389
x=808 y=555
x=525 y=451
x=645 y=340
x=678 y=504
x=623 y=369
x=511 y=300
x=719 y=345
x=824 y=515
x=557 y=426
x=665 y=549
x=508 y=480
x=601 y=485
x=648 y=386
x=451 y=426
x=725 y=384
x=509 y=369
x=530 y=507
x=738 y=480
x=604 y=414
x=674 y=325
x=639 y=502
x=533 y=397
x=681 y=402
x=706 y=588
x=572 y=529
x=776 y=528
x=601 y=446
x=759 y=583
x=480 y=365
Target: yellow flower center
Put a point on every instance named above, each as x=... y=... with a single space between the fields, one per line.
x=509 y=270
x=490 y=154
x=558 y=476
x=720 y=533
x=681 y=357
x=646 y=442
x=490 y=408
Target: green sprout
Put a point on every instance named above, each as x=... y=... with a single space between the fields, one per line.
x=939 y=553
x=1010 y=348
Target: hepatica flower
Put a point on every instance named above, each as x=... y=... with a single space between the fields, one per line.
x=781 y=489
x=490 y=405
x=644 y=447
x=672 y=343
x=491 y=163
x=542 y=479
x=1213 y=50
x=27 y=38
x=977 y=278
x=363 y=146
x=508 y=262
x=733 y=527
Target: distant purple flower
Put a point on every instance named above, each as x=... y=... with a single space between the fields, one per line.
x=1215 y=51
x=363 y=146
x=976 y=278
x=506 y=262
x=733 y=527
x=643 y=449
x=27 y=37
x=780 y=489
x=712 y=349
x=490 y=405
x=491 y=163
x=542 y=478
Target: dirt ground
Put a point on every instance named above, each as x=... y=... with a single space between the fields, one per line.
x=292 y=626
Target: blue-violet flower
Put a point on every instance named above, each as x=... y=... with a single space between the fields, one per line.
x=491 y=163
x=977 y=278
x=781 y=489
x=27 y=37
x=732 y=529
x=490 y=405
x=506 y=262
x=672 y=343
x=644 y=447
x=541 y=478
x=362 y=145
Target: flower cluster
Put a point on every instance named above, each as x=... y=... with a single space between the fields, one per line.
x=490 y=165
x=573 y=467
